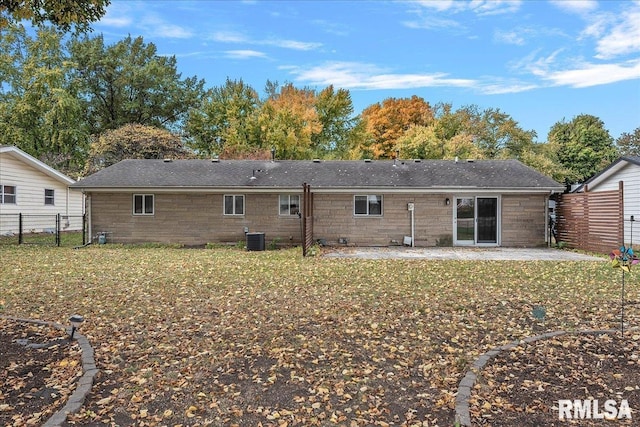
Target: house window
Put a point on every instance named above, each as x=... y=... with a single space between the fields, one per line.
x=289 y=204
x=233 y=204
x=370 y=205
x=143 y=204
x=7 y=194
x=49 y=197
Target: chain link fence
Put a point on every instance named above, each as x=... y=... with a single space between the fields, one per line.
x=42 y=229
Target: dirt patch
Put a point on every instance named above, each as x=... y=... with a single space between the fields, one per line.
x=523 y=386
x=38 y=372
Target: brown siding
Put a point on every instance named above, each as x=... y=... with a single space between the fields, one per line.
x=334 y=219
x=523 y=220
x=190 y=219
x=194 y=219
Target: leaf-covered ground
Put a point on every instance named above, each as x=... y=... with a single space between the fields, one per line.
x=39 y=368
x=226 y=337
x=523 y=387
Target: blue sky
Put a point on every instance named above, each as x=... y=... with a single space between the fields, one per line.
x=538 y=61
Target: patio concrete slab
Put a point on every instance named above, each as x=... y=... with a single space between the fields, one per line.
x=462 y=253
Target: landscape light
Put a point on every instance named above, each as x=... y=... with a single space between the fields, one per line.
x=75 y=320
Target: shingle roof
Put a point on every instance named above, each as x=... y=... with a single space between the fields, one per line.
x=261 y=174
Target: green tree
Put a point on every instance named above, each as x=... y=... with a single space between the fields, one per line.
x=134 y=141
x=544 y=158
x=288 y=120
x=496 y=133
x=500 y=136
x=335 y=112
x=629 y=143
x=62 y=14
x=584 y=145
x=423 y=142
x=39 y=107
x=128 y=82
x=227 y=120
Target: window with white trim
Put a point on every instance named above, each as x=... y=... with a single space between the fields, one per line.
x=143 y=204
x=49 y=196
x=367 y=205
x=289 y=204
x=234 y=204
x=7 y=194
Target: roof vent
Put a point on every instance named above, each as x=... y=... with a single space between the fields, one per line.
x=470 y=160
x=215 y=160
x=167 y=160
x=367 y=160
x=316 y=160
x=417 y=160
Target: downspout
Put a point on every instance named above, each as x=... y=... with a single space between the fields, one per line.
x=547 y=230
x=89 y=226
x=413 y=230
x=410 y=208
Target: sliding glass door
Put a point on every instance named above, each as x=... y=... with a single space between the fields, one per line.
x=475 y=221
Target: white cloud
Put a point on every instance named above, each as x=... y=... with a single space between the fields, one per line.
x=498 y=87
x=118 y=15
x=495 y=7
x=110 y=20
x=428 y=20
x=229 y=37
x=623 y=38
x=148 y=23
x=480 y=7
x=431 y=23
x=363 y=76
x=576 y=6
x=290 y=44
x=509 y=37
x=244 y=54
x=589 y=74
x=235 y=37
x=355 y=75
x=439 y=5
x=166 y=30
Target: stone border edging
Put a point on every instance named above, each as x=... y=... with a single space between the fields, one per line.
x=462 y=415
x=89 y=371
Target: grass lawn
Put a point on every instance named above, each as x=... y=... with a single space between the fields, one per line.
x=227 y=337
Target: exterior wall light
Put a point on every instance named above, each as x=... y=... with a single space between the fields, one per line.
x=75 y=320
x=447 y=201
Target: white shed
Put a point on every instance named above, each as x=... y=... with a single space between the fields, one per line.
x=627 y=170
x=38 y=192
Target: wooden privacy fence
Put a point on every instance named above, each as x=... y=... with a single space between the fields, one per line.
x=307 y=218
x=591 y=221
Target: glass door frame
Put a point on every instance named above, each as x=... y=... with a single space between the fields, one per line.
x=474 y=242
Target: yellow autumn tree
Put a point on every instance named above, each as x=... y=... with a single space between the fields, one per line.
x=386 y=122
x=288 y=120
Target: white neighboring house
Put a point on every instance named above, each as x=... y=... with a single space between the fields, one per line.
x=38 y=192
x=627 y=170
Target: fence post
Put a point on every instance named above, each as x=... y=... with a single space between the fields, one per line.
x=20 y=228
x=84 y=229
x=58 y=230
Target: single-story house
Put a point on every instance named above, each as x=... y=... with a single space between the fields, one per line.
x=366 y=203
x=38 y=192
x=625 y=170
